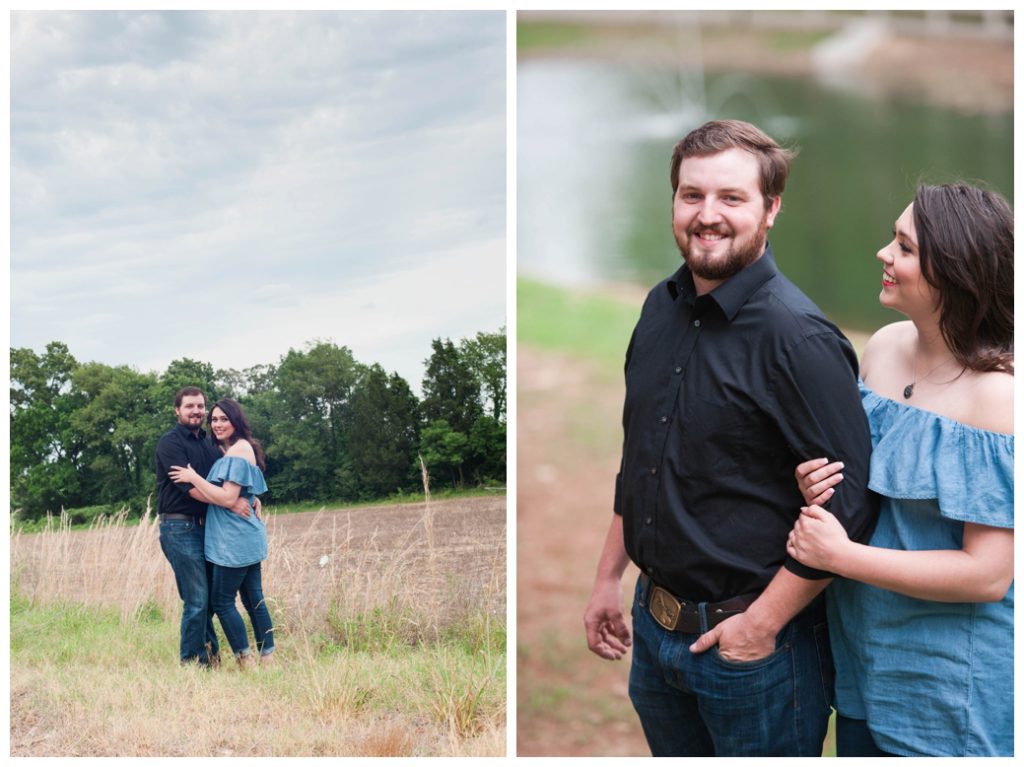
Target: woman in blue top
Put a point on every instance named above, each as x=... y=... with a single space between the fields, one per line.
x=922 y=618
x=236 y=545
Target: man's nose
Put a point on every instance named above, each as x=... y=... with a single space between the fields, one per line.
x=708 y=213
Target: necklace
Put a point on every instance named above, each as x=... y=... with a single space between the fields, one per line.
x=908 y=390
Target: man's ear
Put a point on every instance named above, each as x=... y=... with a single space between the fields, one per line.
x=773 y=210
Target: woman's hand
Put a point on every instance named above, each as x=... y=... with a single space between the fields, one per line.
x=178 y=474
x=817 y=539
x=817 y=479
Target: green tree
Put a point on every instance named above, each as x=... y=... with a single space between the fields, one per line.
x=485 y=355
x=189 y=372
x=241 y=384
x=307 y=414
x=43 y=453
x=384 y=434
x=487 y=449
x=119 y=416
x=451 y=390
x=444 y=449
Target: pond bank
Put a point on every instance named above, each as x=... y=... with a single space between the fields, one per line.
x=957 y=66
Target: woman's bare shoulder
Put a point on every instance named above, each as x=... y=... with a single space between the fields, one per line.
x=242 y=449
x=992 y=402
x=888 y=342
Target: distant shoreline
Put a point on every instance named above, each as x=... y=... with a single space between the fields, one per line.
x=967 y=73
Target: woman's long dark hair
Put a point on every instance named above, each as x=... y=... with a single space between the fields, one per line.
x=965 y=241
x=236 y=416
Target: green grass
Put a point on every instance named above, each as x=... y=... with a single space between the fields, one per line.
x=533 y=35
x=585 y=326
x=79 y=670
x=786 y=40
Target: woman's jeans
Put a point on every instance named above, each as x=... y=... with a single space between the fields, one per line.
x=182 y=541
x=246 y=582
x=700 y=704
x=853 y=738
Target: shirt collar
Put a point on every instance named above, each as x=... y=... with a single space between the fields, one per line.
x=187 y=432
x=732 y=294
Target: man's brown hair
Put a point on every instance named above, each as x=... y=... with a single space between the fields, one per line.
x=719 y=135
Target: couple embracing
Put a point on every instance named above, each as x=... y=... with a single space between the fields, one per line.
x=210 y=527
x=903 y=491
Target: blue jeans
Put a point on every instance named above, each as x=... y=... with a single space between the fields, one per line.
x=704 y=705
x=182 y=543
x=246 y=582
x=853 y=738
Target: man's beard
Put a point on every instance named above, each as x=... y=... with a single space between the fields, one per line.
x=732 y=263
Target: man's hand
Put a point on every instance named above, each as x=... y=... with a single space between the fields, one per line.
x=241 y=507
x=258 y=508
x=738 y=639
x=607 y=633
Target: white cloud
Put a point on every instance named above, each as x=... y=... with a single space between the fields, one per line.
x=168 y=168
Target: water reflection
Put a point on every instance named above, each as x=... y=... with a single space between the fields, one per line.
x=594 y=142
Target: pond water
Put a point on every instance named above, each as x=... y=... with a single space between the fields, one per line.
x=594 y=143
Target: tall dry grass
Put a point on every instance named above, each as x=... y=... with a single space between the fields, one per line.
x=395 y=611
x=324 y=569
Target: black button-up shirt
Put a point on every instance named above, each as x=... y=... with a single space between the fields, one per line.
x=725 y=394
x=180 y=447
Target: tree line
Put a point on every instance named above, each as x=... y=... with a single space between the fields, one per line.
x=334 y=429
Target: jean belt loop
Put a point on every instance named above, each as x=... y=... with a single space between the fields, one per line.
x=703 y=609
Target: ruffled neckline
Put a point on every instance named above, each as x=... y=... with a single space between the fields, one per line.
x=232 y=468
x=918 y=454
x=867 y=393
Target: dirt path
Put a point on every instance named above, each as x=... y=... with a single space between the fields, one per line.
x=569 y=702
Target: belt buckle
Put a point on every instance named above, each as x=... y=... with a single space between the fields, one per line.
x=664 y=608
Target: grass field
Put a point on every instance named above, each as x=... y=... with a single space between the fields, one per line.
x=389 y=625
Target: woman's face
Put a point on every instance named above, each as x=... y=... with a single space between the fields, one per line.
x=904 y=287
x=221 y=427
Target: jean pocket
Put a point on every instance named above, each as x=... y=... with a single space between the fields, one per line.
x=783 y=641
x=749 y=665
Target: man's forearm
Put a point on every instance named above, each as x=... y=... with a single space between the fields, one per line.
x=785 y=596
x=614 y=558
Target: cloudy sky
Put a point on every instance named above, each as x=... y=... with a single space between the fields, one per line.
x=226 y=186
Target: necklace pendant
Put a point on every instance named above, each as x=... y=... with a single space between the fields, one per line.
x=908 y=390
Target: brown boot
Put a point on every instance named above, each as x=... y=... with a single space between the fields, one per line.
x=246 y=662
x=267 y=661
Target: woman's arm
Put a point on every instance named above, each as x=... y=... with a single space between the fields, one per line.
x=224 y=495
x=981 y=571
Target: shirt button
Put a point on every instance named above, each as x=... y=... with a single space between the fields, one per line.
x=654 y=470
x=648 y=520
x=696 y=323
x=678 y=369
x=664 y=419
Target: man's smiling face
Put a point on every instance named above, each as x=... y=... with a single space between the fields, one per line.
x=719 y=217
x=192 y=411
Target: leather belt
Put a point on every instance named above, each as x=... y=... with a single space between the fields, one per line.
x=182 y=516
x=675 y=614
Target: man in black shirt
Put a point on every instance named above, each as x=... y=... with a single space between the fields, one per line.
x=733 y=377
x=182 y=515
